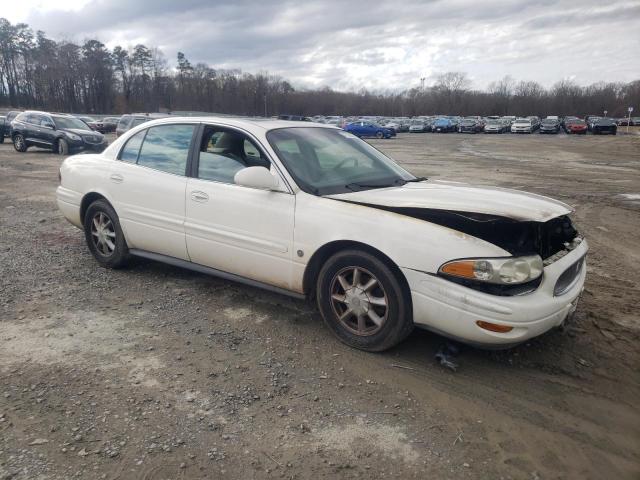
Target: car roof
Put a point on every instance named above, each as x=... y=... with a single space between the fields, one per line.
x=248 y=123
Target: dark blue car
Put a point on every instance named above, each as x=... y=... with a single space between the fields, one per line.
x=368 y=129
x=442 y=125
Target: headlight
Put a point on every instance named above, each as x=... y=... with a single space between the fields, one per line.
x=73 y=136
x=500 y=271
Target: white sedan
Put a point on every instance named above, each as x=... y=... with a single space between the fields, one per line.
x=313 y=211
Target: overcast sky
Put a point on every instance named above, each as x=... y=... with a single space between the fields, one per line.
x=350 y=44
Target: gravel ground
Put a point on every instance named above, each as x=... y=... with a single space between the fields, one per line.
x=153 y=372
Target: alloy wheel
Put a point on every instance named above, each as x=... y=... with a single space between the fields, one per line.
x=103 y=234
x=359 y=301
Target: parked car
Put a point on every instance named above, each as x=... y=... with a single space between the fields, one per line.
x=470 y=125
x=61 y=133
x=368 y=129
x=591 y=120
x=418 y=126
x=294 y=118
x=443 y=125
x=550 y=125
x=5 y=130
x=127 y=122
x=522 y=125
x=604 y=125
x=313 y=211
x=566 y=120
x=495 y=126
x=106 y=125
x=2 y=123
x=576 y=125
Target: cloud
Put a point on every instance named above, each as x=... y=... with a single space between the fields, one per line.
x=376 y=45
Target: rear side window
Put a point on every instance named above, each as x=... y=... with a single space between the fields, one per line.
x=166 y=148
x=132 y=148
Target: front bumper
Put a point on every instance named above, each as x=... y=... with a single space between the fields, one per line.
x=453 y=310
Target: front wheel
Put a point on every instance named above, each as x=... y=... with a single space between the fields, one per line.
x=62 y=147
x=104 y=236
x=363 y=302
x=379 y=135
x=19 y=143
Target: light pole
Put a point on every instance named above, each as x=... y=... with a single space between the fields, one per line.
x=630 y=109
x=422 y=79
x=265 y=105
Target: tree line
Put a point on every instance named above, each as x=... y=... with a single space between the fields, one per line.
x=38 y=72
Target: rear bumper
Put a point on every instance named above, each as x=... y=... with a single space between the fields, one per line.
x=453 y=310
x=69 y=204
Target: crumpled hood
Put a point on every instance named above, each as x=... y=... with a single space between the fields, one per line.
x=461 y=197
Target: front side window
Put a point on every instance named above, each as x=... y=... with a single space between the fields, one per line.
x=326 y=161
x=70 y=123
x=47 y=122
x=225 y=152
x=166 y=148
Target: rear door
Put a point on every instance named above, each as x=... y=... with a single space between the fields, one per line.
x=232 y=228
x=147 y=184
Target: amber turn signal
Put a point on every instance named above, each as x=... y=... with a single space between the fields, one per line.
x=459 y=269
x=494 y=327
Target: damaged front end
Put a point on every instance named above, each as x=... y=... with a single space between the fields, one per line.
x=550 y=240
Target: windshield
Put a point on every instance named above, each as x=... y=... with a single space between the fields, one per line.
x=324 y=161
x=70 y=122
x=549 y=122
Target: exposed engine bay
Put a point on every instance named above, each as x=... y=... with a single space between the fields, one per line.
x=517 y=237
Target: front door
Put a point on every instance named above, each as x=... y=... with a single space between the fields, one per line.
x=236 y=229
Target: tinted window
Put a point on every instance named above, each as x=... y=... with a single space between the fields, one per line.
x=223 y=153
x=46 y=122
x=124 y=121
x=166 y=148
x=32 y=118
x=71 y=123
x=138 y=121
x=130 y=151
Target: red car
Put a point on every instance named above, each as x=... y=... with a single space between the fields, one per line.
x=576 y=126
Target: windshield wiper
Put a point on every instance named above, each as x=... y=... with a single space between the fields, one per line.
x=395 y=183
x=417 y=179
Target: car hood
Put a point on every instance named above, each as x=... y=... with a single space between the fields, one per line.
x=454 y=196
x=79 y=131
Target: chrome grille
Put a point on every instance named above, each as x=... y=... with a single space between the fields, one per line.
x=95 y=139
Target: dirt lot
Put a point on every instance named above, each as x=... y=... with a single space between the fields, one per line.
x=153 y=372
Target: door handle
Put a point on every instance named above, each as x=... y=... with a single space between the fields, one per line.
x=198 y=196
x=117 y=178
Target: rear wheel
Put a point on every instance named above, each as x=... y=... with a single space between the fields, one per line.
x=362 y=301
x=19 y=143
x=104 y=236
x=379 y=135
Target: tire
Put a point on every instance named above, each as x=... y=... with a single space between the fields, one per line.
x=105 y=217
x=19 y=143
x=1 y=137
x=61 y=147
x=379 y=135
x=394 y=320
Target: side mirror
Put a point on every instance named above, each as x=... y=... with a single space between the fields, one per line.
x=256 y=177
